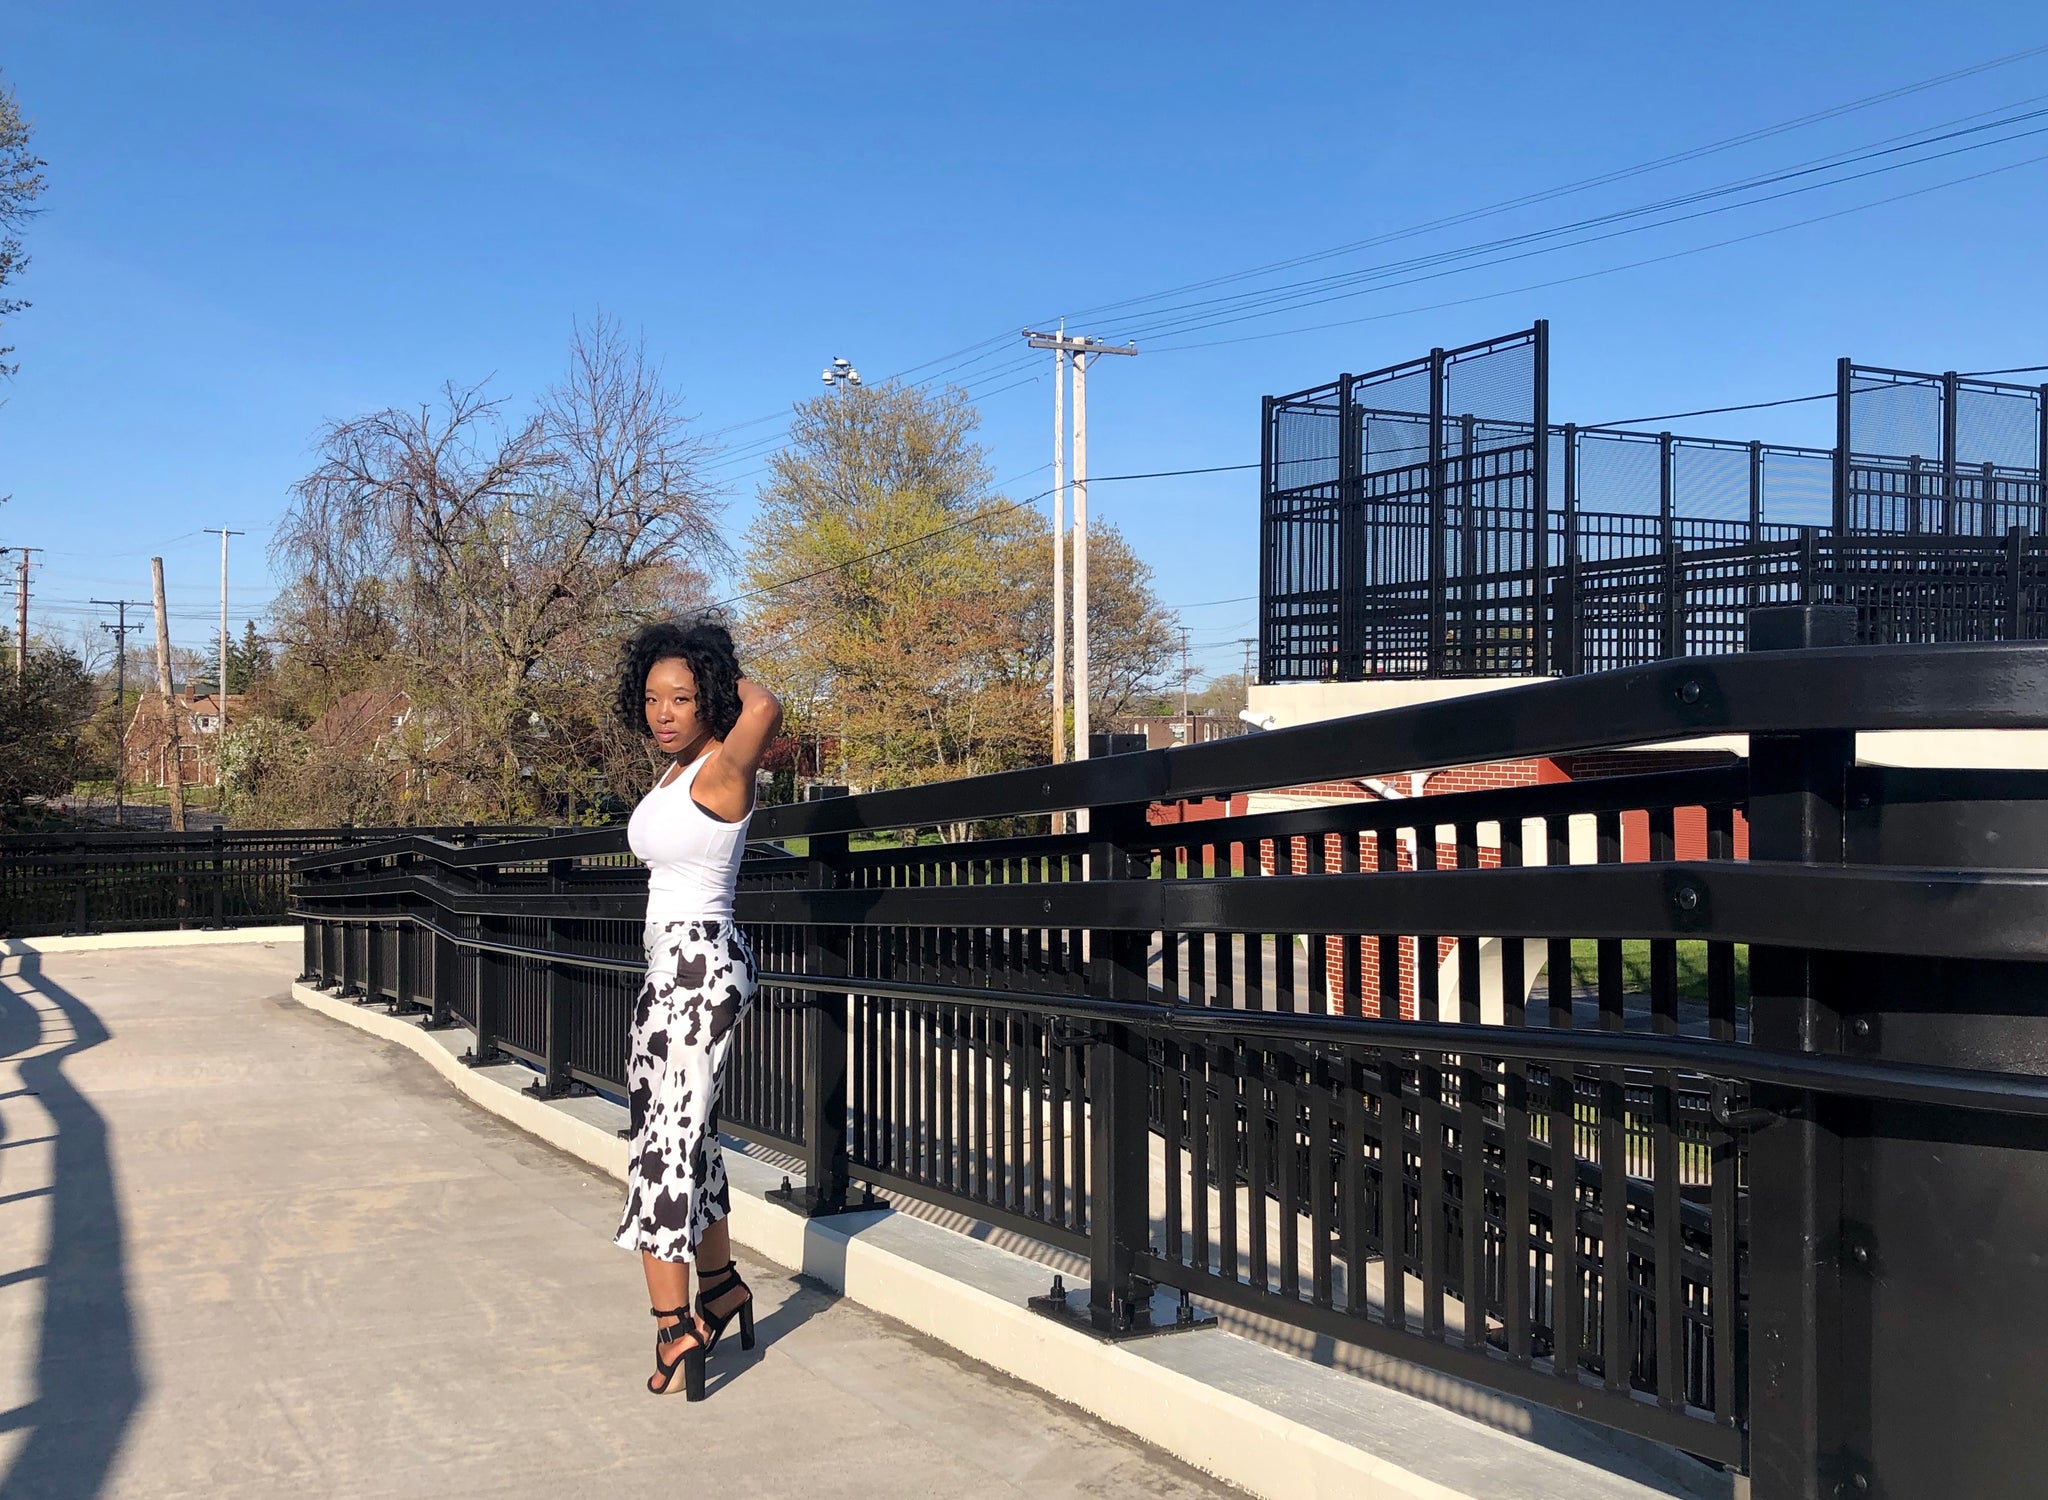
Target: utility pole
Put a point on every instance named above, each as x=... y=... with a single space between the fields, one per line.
x=220 y=686
x=1248 y=642
x=1059 y=564
x=1084 y=351
x=163 y=686
x=21 y=612
x=120 y=634
x=1186 y=729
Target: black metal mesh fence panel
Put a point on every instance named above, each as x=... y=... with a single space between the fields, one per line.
x=1300 y=581
x=1710 y=481
x=1425 y=521
x=1896 y=413
x=1940 y=455
x=1798 y=486
x=1998 y=425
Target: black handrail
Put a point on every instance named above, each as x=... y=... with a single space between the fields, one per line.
x=1572 y=1056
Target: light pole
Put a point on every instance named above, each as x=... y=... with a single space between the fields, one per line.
x=839 y=375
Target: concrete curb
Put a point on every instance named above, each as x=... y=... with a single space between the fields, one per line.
x=1270 y=1424
x=190 y=938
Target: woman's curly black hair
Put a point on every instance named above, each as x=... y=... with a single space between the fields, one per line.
x=703 y=645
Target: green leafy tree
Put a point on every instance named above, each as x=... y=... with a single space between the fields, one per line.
x=249 y=659
x=41 y=714
x=903 y=612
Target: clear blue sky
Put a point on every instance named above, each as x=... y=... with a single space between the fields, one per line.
x=265 y=217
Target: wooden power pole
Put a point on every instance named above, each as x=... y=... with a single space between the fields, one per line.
x=163 y=686
x=120 y=635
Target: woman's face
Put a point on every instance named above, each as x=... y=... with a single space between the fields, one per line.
x=672 y=706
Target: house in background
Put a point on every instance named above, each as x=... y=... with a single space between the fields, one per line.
x=360 y=724
x=199 y=721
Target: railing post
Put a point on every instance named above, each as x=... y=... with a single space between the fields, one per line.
x=489 y=971
x=2015 y=583
x=1674 y=600
x=1351 y=564
x=309 y=953
x=1794 y=1402
x=828 y=1185
x=1950 y=388
x=1844 y=436
x=349 y=987
x=1439 y=510
x=373 y=963
x=554 y=1083
x=1119 y=1139
x=447 y=962
x=1269 y=481
x=1568 y=652
x=220 y=877
x=406 y=979
x=1539 y=505
x=81 y=915
x=1756 y=495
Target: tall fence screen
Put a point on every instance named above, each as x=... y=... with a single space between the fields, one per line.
x=1402 y=512
x=1427 y=520
x=1938 y=455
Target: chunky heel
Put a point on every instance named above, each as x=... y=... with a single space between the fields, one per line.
x=714 y=1323
x=690 y=1362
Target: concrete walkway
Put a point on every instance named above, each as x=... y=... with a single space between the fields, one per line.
x=245 y=1252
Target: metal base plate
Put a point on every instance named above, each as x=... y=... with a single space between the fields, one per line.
x=1165 y=1313
x=803 y=1201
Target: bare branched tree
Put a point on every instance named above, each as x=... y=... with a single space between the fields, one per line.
x=488 y=563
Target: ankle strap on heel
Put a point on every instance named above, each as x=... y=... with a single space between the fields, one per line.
x=727 y=1278
x=681 y=1329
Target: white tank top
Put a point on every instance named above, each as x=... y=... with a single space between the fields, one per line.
x=692 y=859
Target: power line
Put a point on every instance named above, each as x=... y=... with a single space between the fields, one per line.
x=1714 y=411
x=1648 y=260
x=1729 y=143
x=1298 y=293
x=1445 y=264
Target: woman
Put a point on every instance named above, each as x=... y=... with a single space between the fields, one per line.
x=681 y=685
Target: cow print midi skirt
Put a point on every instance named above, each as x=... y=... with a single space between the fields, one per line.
x=700 y=982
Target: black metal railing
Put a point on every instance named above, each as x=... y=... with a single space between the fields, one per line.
x=1428 y=520
x=126 y=881
x=1379 y=1070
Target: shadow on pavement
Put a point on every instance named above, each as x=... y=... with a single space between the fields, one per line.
x=88 y=1381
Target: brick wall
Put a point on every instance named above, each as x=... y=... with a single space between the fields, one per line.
x=1357 y=961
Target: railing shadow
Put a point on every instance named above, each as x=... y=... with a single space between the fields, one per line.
x=88 y=1376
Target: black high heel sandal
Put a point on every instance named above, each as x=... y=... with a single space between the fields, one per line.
x=690 y=1361
x=729 y=1278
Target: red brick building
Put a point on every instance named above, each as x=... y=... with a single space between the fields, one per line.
x=199 y=723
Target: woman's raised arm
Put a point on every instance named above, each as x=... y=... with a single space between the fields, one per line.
x=725 y=787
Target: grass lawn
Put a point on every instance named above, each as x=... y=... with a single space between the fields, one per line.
x=1635 y=967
